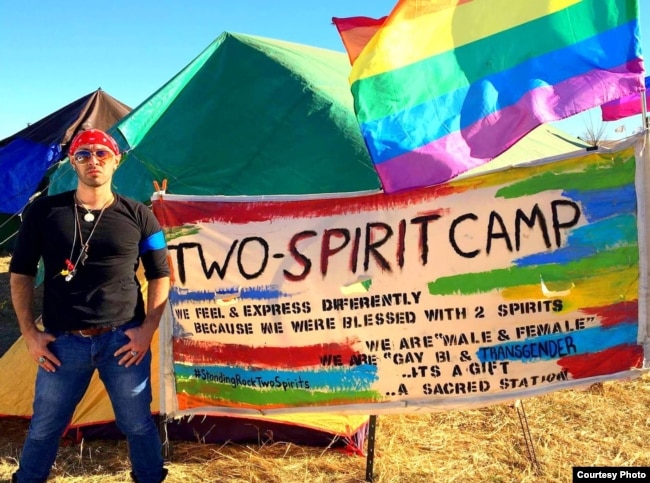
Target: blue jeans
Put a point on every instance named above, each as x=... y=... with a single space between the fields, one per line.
x=58 y=393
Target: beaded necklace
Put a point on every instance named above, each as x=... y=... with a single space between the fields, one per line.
x=70 y=269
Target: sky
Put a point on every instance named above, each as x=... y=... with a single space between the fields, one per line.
x=52 y=52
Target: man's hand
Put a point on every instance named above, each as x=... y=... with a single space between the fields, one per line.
x=37 y=343
x=134 y=351
x=141 y=336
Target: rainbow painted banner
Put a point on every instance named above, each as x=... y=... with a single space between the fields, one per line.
x=441 y=87
x=484 y=290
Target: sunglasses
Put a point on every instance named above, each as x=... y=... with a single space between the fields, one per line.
x=82 y=156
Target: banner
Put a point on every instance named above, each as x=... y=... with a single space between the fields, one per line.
x=483 y=290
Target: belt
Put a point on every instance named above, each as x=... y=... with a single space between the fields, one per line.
x=91 y=332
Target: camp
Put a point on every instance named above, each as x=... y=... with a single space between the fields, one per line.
x=328 y=143
x=497 y=229
x=235 y=124
x=314 y=127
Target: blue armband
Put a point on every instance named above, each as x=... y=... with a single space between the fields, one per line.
x=154 y=242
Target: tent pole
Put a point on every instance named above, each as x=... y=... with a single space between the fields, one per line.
x=370 y=457
x=165 y=361
x=530 y=445
x=164 y=437
x=644 y=111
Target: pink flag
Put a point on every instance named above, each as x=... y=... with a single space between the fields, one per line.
x=623 y=107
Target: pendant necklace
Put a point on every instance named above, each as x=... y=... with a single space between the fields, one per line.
x=70 y=269
x=89 y=216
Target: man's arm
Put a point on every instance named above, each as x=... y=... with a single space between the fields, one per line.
x=22 y=298
x=157 y=295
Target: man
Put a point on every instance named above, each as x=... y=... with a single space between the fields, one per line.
x=91 y=241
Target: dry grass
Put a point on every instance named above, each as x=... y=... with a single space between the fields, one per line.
x=607 y=425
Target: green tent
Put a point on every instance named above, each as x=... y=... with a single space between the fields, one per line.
x=248 y=116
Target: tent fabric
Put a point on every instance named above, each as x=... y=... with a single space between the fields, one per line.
x=545 y=141
x=236 y=429
x=94 y=416
x=26 y=156
x=248 y=116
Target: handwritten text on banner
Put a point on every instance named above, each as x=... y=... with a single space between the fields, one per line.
x=483 y=290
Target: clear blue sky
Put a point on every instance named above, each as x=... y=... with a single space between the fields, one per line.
x=54 y=52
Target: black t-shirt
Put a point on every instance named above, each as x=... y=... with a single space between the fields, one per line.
x=104 y=289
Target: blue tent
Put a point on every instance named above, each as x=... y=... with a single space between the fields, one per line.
x=26 y=156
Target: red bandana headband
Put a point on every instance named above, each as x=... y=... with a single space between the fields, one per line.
x=93 y=136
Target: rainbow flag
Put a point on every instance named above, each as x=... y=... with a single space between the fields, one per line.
x=623 y=107
x=443 y=86
x=356 y=32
